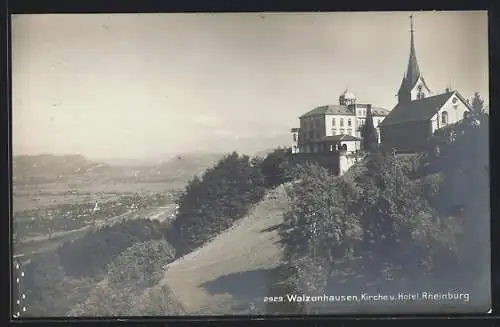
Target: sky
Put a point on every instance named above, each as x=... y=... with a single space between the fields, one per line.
x=147 y=85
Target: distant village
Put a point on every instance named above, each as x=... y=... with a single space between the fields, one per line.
x=333 y=133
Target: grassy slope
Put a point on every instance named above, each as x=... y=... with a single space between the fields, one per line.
x=208 y=279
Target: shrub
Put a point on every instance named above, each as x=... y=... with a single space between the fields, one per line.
x=43 y=282
x=90 y=255
x=141 y=265
x=157 y=301
x=318 y=224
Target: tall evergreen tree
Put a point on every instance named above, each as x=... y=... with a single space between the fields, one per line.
x=477 y=104
x=369 y=133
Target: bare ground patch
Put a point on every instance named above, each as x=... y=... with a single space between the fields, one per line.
x=243 y=254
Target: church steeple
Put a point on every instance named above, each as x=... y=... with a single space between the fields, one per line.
x=413 y=71
x=413 y=75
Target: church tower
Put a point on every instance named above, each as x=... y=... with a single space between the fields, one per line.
x=413 y=86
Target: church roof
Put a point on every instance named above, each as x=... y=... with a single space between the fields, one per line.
x=417 y=110
x=335 y=109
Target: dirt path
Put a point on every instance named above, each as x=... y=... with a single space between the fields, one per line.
x=206 y=280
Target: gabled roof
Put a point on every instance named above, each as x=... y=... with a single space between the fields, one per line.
x=417 y=110
x=329 y=110
x=342 y=110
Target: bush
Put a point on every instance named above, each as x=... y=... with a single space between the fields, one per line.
x=129 y=275
x=104 y=301
x=318 y=224
x=141 y=265
x=90 y=255
x=214 y=202
x=157 y=301
x=43 y=283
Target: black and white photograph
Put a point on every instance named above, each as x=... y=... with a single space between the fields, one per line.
x=273 y=163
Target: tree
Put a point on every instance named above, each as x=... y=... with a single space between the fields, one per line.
x=477 y=105
x=212 y=203
x=275 y=167
x=369 y=133
x=319 y=227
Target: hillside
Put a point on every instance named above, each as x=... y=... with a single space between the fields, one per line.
x=234 y=267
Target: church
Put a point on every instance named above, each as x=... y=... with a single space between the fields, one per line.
x=419 y=113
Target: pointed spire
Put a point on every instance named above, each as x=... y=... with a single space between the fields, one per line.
x=413 y=71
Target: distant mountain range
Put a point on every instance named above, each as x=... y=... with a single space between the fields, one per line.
x=45 y=168
x=69 y=168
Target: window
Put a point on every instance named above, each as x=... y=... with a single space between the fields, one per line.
x=466 y=114
x=344 y=147
x=294 y=137
x=341 y=122
x=349 y=131
x=349 y=122
x=342 y=131
x=334 y=131
x=333 y=121
x=444 y=117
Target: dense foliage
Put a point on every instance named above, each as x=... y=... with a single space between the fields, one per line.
x=140 y=264
x=276 y=167
x=212 y=203
x=90 y=255
x=128 y=288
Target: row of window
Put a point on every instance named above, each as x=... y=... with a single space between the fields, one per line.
x=349 y=122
